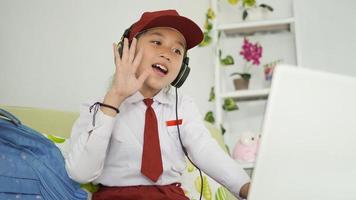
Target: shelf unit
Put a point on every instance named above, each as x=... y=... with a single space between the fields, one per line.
x=242 y=28
x=247 y=95
x=256 y=26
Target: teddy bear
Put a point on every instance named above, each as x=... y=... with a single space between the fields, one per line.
x=247 y=147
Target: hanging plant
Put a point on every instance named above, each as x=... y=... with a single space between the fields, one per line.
x=248 y=5
x=208 y=26
x=228 y=60
x=233 y=2
x=223 y=130
x=212 y=94
x=209 y=117
x=230 y=104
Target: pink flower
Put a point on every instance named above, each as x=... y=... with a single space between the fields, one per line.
x=251 y=52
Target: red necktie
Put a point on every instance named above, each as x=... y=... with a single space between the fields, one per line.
x=151 y=165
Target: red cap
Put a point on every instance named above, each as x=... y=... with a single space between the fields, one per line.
x=169 y=18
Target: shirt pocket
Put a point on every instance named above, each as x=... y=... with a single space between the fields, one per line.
x=173 y=133
x=120 y=150
x=177 y=156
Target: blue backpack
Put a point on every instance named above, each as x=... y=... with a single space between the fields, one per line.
x=31 y=166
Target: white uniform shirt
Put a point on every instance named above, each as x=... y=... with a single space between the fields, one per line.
x=110 y=152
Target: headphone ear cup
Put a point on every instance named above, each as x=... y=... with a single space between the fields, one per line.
x=182 y=75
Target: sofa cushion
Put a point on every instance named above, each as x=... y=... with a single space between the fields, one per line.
x=46 y=121
x=57 y=125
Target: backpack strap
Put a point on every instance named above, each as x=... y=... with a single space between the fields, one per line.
x=11 y=117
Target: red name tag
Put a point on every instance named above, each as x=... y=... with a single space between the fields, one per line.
x=174 y=122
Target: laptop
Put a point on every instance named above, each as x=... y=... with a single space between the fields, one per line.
x=308 y=146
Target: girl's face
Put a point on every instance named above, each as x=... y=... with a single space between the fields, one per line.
x=163 y=52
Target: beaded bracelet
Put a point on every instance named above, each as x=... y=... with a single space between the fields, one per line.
x=105 y=105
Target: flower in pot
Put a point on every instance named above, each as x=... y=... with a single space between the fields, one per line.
x=251 y=52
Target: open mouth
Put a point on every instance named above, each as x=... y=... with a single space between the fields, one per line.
x=160 y=69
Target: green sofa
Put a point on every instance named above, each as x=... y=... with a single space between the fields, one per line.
x=59 y=123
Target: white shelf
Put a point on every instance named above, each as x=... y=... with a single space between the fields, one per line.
x=267 y=28
x=256 y=26
x=247 y=95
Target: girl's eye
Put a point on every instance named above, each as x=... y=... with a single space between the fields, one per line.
x=156 y=42
x=177 y=51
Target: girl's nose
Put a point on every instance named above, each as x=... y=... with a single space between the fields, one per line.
x=165 y=57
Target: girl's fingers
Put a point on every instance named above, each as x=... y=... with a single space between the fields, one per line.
x=117 y=58
x=125 y=50
x=137 y=61
x=132 y=50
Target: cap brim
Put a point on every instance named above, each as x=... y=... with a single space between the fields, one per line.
x=189 y=29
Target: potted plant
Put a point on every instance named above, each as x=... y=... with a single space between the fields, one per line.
x=251 y=52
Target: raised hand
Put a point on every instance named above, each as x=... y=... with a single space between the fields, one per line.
x=125 y=81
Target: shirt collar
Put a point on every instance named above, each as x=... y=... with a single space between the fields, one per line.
x=162 y=97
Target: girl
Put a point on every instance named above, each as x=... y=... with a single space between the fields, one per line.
x=129 y=142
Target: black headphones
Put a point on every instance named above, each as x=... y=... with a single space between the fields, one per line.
x=184 y=69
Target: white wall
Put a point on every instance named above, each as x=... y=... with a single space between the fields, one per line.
x=326 y=31
x=57 y=54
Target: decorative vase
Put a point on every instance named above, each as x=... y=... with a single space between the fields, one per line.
x=242 y=81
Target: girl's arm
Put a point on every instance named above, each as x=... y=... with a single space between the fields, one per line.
x=92 y=131
x=208 y=155
x=89 y=145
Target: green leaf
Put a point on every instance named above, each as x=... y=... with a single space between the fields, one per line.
x=221 y=193
x=223 y=130
x=228 y=60
x=230 y=105
x=56 y=139
x=208 y=25
x=212 y=94
x=245 y=76
x=209 y=117
x=249 y=3
x=207 y=40
x=190 y=166
x=210 y=14
x=233 y=2
x=90 y=187
x=244 y=14
x=266 y=7
x=207 y=194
